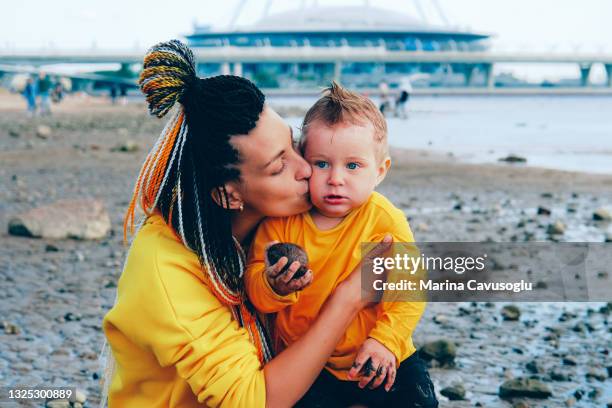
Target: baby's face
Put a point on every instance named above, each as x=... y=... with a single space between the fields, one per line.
x=344 y=166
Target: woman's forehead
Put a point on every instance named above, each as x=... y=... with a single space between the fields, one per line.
x=271 y=136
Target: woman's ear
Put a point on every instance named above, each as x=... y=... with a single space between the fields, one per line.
x=228 y=196
x=383 y=168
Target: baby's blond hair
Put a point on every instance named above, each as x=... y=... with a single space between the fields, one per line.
x=339 y=105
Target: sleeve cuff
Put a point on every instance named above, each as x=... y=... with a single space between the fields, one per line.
x=289 y=299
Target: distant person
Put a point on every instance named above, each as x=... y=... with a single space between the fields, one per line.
x=113 y=94
x=401 y=103
x=123 y=93
x=29 y=93
x=385 y=101
x=57 y=95
x=44 y=89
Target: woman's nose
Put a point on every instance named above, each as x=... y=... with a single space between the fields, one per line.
x=304 y=171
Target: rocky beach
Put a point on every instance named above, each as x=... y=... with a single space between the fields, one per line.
x=55 y=289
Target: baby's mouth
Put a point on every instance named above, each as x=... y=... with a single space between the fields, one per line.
x=334 y=198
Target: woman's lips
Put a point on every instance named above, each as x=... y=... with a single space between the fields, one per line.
x=334 y=199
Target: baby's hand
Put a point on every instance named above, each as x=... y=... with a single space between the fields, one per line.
x=285 y=280
x=374 y=362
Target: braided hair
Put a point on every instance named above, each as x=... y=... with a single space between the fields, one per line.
x=192 y=158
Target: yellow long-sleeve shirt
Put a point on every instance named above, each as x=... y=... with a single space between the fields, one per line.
x=175 y=344
x=333 y=254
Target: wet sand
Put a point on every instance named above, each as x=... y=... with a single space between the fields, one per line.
x=55 y=292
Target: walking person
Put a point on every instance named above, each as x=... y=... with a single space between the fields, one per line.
x=44 y=90
x=29 y=93
x=385 y=100
x=401 y=103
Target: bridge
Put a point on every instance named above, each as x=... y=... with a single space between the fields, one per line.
x=231 y=58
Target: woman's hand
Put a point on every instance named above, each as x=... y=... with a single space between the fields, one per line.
x=374 y=362
x=358 y=293
x=281 y=281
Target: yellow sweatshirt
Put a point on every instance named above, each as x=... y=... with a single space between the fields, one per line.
x=333 y=254
x=175 y=344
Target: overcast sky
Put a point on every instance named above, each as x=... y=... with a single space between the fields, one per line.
x=538 y=25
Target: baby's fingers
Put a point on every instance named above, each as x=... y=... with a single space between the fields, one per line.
x=275 y=270
x=288 y=274
x=390 y=378
x=301 y=283
x=381 y=373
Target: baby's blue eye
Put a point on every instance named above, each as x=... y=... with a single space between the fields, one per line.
x=352 y=165
x=321 y=164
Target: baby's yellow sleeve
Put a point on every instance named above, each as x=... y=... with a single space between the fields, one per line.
x=396 y=321
x=260 y=293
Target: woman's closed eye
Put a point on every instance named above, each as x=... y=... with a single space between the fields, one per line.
x=281 y=168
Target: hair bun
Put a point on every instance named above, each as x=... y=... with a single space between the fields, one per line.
x=168 y=70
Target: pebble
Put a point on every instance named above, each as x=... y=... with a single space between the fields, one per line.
x=524 y=387
x=43 y=131
x=557 y=228
x=443 y=351
x=511 y=312
x=455 y=392
x=602 y=214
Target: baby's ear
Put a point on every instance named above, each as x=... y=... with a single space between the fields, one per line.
x=383 y=168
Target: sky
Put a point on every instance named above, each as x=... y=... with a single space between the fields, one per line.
x=526 y=25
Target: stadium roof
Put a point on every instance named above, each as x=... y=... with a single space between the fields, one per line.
x=339 y=19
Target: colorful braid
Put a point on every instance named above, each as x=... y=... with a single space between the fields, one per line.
x=168 y=76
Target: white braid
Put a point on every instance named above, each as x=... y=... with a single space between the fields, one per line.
x=180 y=192
x=181 y=134
x=204 y=254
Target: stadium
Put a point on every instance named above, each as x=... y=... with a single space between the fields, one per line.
x=333 y=26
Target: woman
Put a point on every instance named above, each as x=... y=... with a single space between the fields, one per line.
x=182 y=332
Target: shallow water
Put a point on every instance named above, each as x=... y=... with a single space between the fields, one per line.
x=559 y=132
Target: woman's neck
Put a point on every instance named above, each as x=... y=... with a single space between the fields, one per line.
x=243 y=226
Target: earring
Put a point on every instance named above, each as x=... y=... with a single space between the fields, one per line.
x=241 y=206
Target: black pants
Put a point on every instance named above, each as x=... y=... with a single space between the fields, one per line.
x=412 y=388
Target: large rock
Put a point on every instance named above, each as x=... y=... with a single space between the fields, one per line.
x=442 y=350
x=524 y=387
x=78 y=219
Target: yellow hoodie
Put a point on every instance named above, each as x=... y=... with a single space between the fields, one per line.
x=174 y=343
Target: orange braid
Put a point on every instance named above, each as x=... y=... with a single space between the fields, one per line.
x=153 y=186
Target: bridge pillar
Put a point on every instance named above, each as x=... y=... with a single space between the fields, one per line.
x=608 y=75
x=337 y=71
x=585 y=71
x=469 y=73
x=225 y=68
x=238 y=68
x=490 y=79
